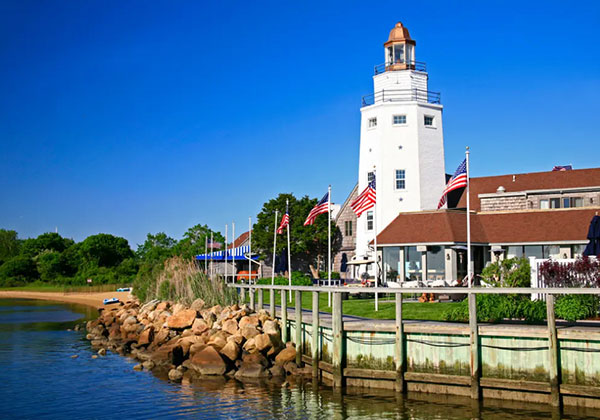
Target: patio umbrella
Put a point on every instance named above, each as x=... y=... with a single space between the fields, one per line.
x=344 y=263
x=593 y=247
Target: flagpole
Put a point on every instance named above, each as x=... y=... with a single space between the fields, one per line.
x=287 y=203
x=212 y=244
x=226 y=279
x=274 y=249
x=329 y=240
x=205 y=254
x=469 y=268
x=250 y=252
x=375 y=242
x=233 y=249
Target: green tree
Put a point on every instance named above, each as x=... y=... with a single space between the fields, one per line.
x=193 y=242
x=18 y=271
x=156 y=247
x=49 y=265
x=308 y=243
x=45 y=242
x=105 y=250
x=9 y=245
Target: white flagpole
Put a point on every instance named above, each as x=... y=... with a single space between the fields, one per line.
x=287 y=203
x=226 y=278
x=375 y=242
x=212 y=244
x=274 y=249
x=205 y=254
x=329 y=240
x=250 y=252
x=469 y=268
x=233 y=249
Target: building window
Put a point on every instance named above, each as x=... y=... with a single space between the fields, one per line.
x=348 y=228
x=436 y=263
x=370 y=177
x=576 y=202
x=369 y=220
x=555 y=203
x=544 y=204
x=428 y=121
x=399 y=120
x=373 y=122
x=400 y=179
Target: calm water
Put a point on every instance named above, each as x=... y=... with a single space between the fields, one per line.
x=39 y=379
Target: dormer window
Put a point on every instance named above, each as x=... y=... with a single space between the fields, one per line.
x=373 y=122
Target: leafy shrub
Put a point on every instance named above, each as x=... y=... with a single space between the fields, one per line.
x=511 y=272
x=494 y=308
x=583 y=272
x=334 y=275
x=18 y=271
x=574 y=307
x=298 y=279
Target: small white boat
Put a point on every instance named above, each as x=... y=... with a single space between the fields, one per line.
x=110 y=300
x=124 y=289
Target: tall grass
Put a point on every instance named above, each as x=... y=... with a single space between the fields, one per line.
x=180 y=280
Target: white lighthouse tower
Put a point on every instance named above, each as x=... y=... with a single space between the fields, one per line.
x=401 y=140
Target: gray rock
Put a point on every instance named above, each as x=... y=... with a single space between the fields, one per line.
x=102 y=352
x=175 y=375
x=138 y=367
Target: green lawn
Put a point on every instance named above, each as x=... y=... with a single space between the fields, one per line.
x=366 y=307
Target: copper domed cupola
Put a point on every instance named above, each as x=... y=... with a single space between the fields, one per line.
x=399 y=49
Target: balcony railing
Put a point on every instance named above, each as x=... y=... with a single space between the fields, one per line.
x=402 y=95
x=408 y=65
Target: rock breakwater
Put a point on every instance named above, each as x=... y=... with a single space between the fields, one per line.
x=196 y=341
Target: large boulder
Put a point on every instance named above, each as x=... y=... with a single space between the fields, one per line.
x=286 y=355
x=160 y=337
x=249 y=331
x=252 y=371
x=231 y=350
x=271 y=327
x=218 y=340
x=146 y=337
x=199 y=326
x=230 y=326
x=208 y=362
x=262 y=341
x=181 y=320
x=249 y=320
x=255 y=359
x=197 y=305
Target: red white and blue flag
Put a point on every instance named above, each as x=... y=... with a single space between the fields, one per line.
x=321 y=207
x=365 y=200
x=285 y=221
x=458 y=180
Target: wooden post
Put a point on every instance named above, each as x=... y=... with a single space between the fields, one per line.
x=314 y=345
x=272 y=303
x=337 y=355
x=252 y=297
x=475 y=357
x=554 y=371
x=243 y=295
x=260 y=299
x=400 y=357
x=284 y=330
x=298 y=317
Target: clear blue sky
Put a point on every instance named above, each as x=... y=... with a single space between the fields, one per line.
x=133 y=117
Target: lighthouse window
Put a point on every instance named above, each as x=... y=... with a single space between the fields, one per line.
x=369 y=220
x=399 y=119
x=400 y=179
x=428 y=121
x=399 y=53
x=372 y=122
x=370 y=177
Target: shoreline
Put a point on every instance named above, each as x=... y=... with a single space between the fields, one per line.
x=93 y=299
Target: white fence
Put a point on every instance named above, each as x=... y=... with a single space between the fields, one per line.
x=538 y=280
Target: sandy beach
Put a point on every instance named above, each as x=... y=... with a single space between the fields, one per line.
x=94 y=299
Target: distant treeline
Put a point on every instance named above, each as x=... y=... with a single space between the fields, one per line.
x=103 y=258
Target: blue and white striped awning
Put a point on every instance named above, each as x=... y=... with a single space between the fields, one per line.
x=237 y=254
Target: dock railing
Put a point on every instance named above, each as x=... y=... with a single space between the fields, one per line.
x=400 y=339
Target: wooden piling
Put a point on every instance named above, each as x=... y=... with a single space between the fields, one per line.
x=554 y=371
x=243 y=294
x=337 y=355
x=298 y=317
x=314 y=344
x=260 y=299
x=252 y=297
x=474 y=344
x=399 y=350
x=284 y=314
x=272 y=303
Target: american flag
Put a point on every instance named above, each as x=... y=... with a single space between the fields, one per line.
x=321 y=207
x=365 y=200
x=458 y=180
x=285 y=221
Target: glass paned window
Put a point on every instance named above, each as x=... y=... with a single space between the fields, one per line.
x=544 y=204
x=514 y=251
x=412 y=263
x=577 y=250
x=576 y=202
x=551 y=251
x=534 y=251
x=566 y=203
x=372 y=122
x=436 y=266
x=370 y=177
x=369 y=220
x=399 y=119
x=555 y=203
x=428 y=121
x=400 y=179
x=399 y=53
x=348 y=227
x=391 y=264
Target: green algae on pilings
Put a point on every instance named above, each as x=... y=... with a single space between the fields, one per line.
x=325 y=355
x=579 y=377
x=369 y=362
x=458 y=368
x=501 y=371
